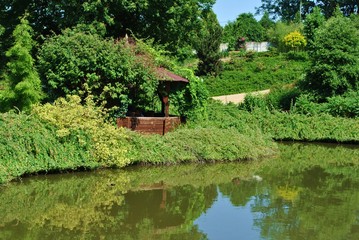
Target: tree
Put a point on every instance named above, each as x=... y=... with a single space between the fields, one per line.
x=208 y=45
x=82 y=63
x=312 y=22
x=23 y=85
x=266 y=23
x=286 y=10
x=295 y=41
x=334 y=59
x=282 y=29
x=173 y=23
x=245 y=26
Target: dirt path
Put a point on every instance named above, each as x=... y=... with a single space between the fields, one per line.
x=238 y=98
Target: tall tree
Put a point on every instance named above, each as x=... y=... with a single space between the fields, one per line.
x=286 y=10
x=312 y=22
x=266 y=23
x=173 y=23
x=245 y=26
x=208 y=45
x=334 y=59
x=23 y=85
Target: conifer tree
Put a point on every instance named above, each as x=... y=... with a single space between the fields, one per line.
x=22 y=82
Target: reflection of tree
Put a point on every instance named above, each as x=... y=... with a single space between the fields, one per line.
x=239 y=191
x=320 y=201
x=148 y=217
x=69 y=205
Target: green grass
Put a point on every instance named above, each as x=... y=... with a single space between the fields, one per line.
x=29 y=145
x=284 y=125
x=200 y=144
x=258 y=72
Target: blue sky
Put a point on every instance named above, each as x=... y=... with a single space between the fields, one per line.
x=228 y=10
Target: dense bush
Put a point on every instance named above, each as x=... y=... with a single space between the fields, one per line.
x=106 y=143
x=283 y=125
x=334 y=58
x=279 y=31
x=279 y=99
x=29 y=145
x=295 y=41
x=346 y=105
x=115 y=73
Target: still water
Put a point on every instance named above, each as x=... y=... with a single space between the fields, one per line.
x=309 y=191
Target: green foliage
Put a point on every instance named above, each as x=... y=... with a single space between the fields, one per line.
x=298 y=55
x=29 y=145
x=279 y=31
x=266 y=22
x=208 y=46
x=190 y=101
x=285 y=126
x=171 y=23
x=115 y=73
x=334 y=60
x=106 y=143
x=22 y=83
x=255 y=72
x=311 y=23
x=295 y=41
x=346 y=105
x=199 y=144
x=279 y=99
x=245 y=26
x=286 y=10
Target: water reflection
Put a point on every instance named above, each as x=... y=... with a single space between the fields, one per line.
x=309 y=192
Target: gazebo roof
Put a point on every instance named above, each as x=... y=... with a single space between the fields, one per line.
x=165 y=75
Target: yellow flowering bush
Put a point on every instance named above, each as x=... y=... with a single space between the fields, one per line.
x=107 y=143
x=295 y=40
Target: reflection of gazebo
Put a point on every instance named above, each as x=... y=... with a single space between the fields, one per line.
x=164 y=123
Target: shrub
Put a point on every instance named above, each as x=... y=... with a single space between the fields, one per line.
x=117 y=74
x=295 y=41
x=334 y=66
x=107 y=144
x=344 y=106
x=29 y=145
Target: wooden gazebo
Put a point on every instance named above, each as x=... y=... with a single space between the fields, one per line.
x=159 y=124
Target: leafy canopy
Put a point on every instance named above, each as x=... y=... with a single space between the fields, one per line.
x=334 y=59
x=245 y=26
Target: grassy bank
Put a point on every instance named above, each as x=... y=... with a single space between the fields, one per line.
x=68 y=136
x=28 y=145
x=255 y=72
x=285 y=126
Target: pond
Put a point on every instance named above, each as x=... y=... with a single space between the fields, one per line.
x=310 y=191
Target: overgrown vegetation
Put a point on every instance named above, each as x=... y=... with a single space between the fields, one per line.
x=84 y=51
x=284 y=125
x=256 y=71
x=29 y=145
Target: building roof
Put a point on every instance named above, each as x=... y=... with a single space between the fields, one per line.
x=165 y=75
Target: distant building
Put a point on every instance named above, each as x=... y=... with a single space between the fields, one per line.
x=257 y=46
x=223 y=47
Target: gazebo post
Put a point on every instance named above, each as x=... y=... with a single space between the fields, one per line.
x=165 y=101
